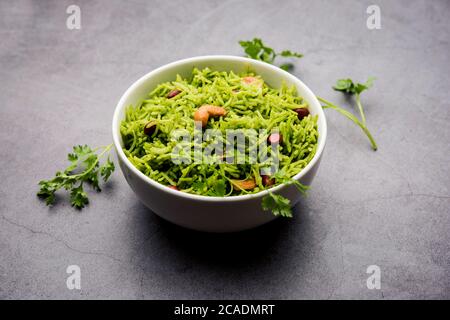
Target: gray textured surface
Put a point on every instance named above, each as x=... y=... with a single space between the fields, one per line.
x=389 y=208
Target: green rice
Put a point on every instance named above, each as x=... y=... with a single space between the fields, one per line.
x=248 y=107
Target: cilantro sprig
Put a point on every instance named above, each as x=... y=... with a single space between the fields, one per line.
x=256 y=49
x=349 y=87
x=279 y=205
x=349 y=115
x=84 y=168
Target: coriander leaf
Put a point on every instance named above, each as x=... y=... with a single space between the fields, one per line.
x=79 y=152
x=257 y=50
x=107 y=169
x=86 y=163
x=350 y=87
x=300 y=187
x=279 y=205
x=50 y=199
x=62 y=180
x=287 y=66
x=92 y=179
x=288 y=53
x=345 y=85
x=219 y=188
x=90 y=161
x=282 y=177
x=72 y=157
x=369 y=82
x=250 y=49
x=78 y=198
x=199 y=186
x=47 y=192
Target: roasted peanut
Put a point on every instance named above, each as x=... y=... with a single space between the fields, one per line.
x=275 y=138
x=248 y=184
x=204 y=112
x=267 y=180
x=173 y=93
x=150 y=127
x=253 y=81
x=301 y=113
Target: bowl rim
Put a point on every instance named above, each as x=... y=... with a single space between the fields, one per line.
x=120 y=105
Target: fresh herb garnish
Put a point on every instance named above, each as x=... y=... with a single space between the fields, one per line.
x=219 y=188
x=351 y=88
x=349 y=115
x=279 y=205
x=84 y=167
x=256 y=49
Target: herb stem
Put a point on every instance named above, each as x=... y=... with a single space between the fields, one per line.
x=361 y=110
x=350 y=116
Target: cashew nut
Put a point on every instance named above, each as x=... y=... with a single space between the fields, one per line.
x=204 y=112
x=248 y=184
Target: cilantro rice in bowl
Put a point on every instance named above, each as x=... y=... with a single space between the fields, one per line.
x=222 y=190
x=249 y=104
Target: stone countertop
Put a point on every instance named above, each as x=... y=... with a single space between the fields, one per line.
x=388 y=208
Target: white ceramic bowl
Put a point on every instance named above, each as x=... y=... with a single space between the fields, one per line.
x=213 y=214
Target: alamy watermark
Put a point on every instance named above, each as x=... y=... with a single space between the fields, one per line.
x=374 y=19
x=236 y=146
x=374 y=280
x=74 y=279
x=73 y=21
